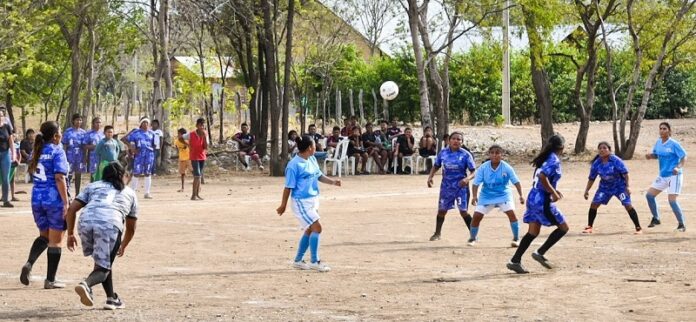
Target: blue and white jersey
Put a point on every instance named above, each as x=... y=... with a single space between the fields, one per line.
x=669 y=154
x=144 y=140
x=93 y=137
x=611 y=174
x=454 y=164
x=51 y=162
x=551 y=168
x=73 y=139
x=494 y=182
x=302 y=176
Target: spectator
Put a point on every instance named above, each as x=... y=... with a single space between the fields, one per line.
x=198 y=144
x=107 y=151
x=247 y=146
x=26 y=145
x=333 y=140
x=312 y=132
x=375 y=149
x=184 y=161
x=356 y=149
x=292 y=145
x=427 y=147
x=347 y=129
x=158 y=143
x=394 y=130
x=404 y=147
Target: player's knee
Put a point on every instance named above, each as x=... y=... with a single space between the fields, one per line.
x=672 y=198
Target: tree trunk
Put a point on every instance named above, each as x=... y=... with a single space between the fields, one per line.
x=540 y=80
x=270 y=50
x=413 y=16
x=286 y=85
x=75 y=81
x=87 y=106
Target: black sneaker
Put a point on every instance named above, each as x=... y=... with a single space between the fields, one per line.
x=85 y=293
x=25 y=276
x=435 y=237
x=517 y=268
x=681 y=228
x=654 y=222
x=7 y=204
x=542 y=260
x=114 y=303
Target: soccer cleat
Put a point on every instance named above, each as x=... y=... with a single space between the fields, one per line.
x=301 y=265
x=515 y=243
x=85 y=293
x=588 y=230
x=681 y=228
x=435 y=237
x=25 y=276
x=654 y=222
x=319 y=267
x=148 y=196
x=114 y=303
x=517 y=268
x=51 y=285
x=542 y=260
x=471 y=242
x=639 y=231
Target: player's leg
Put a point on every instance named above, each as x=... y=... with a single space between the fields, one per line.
x=255 y=157
x=445 y=202
x=515 y=263
x=241 y=156
x=462 y=200
x=439 y=221
x=591 y=216
x=514 y=227
x=473 y=230
x=659 y=185
x=314 y=248
x=299 y=262
x=37 y=247
x=673 y=191
x=555 y=217
x=55 y=238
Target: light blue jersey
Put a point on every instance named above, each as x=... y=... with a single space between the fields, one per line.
x=495 y=182
x=302 y=176
x=668 y=154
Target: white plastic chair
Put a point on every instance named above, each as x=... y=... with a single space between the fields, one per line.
x=409 y=158
x=339 y=158
x=419 y=158
x=234 y=146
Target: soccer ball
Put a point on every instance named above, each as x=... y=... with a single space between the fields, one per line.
x=389 y=90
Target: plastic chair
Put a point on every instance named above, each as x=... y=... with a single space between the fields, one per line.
x=234 y=146
x=410 y=158
x=419 y=158
x=339 y=158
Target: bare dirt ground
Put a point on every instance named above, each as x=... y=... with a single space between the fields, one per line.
x=228 y=257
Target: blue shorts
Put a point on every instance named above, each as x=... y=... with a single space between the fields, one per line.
x=451 y=194
x=143 y=162
x=603 y=197
x=541 y=210
x=49 y=216
x=197 y=166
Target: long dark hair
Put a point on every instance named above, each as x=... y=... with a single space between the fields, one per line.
x=304 y=142
x=113 y=174
x=554 y=143
x=46 y=133
x=598 y=145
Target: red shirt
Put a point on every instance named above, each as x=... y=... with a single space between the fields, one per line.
x=197 y=146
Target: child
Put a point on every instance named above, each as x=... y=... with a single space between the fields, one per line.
x=494 y=176
x=302 y=176
x=184 y=161
x=107 y=150
x=454 y=188
x=427 y=147
x=49 y=201
x=613 y=182
x=107 y=205
x=541 y=205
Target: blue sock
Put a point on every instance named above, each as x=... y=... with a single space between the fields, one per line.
x=314 y=246
x=515 y=226
x=473 y=232
x=677 y=211
x=304 y=244
x=653 y=206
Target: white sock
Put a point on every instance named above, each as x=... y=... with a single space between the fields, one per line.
x=148 y=184
x=135 y=183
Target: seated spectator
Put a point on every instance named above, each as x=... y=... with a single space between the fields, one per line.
x=347 y=129
x=247 y=146
x=394 y=130
x=373 y=143
x=312 y=132
x=405 y=145
x=356 y=149
x=332 y=141
x=292 y=144
x=427 y=147
x=445 y=140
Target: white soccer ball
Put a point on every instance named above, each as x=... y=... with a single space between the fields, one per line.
x=389 y=90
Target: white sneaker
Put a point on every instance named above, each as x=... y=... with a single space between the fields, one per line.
x=471 y=242
x=515 y=243
x=301 y=265
x=319 y=267
x=148 y=196
x=247 y=168
x=114 y=303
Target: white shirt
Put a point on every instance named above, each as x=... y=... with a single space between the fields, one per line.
x=158 y=138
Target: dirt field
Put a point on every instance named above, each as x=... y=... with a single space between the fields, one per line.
x=228 y=258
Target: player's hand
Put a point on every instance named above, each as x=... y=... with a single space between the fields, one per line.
x=648 y=156
x=65 y=211
x=521 y=200
x=337 y=183
x=280 y=210
x=628 y=191
x=556 y=196
x=675 y=171
x=430 y=182
x=464 y=183
x=72 y=242
x=121 y=250
x=587 y=195
x=474 y=201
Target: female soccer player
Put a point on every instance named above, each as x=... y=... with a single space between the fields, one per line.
x=90 y=141
x=49 y=201
x=107 y=205
x=302 y=176
x=541 y=205
x=671 y=157
x=142 y=142
x=613 y=182
x=454 y=188
x=72 y=142
x=494 y=175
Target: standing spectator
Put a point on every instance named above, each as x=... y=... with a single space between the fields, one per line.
x=184 y=160
x=158 y=143
x=72 y=143
x=198 y=144
x=26 y=145
x=247 y=146
x=6 y=144
x=107 y=150
x=16 y=159
x=91 y=139
x=142 y=143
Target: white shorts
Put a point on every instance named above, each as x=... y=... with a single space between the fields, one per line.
x=672 y=184
x=503 y=206
x=306 y=211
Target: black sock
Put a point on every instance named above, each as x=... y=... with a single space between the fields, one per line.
x=467 y=221
x=53 y=260
x=108 y=285
x=524 y=244
x=591 y=215
x=438 y=224
x=97 y=276
x=40 y=244
x=555 y=236
x=634 y=217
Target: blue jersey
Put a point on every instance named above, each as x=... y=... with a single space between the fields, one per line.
x=144 y=140
x=93 y=137
x=302 y=176
x=52 y=161
x=551 y=168
x=669 y=154
x=495 y=182
x=454 y=164
x=73 y=140
x=611 y=174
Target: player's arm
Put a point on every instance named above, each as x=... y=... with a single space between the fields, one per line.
x=474 y=194
x=628 y=186
x=327 y=180
x=284 y=201
x=555 y=195
x=590 y=182
x=128 y=236
x=70 y=217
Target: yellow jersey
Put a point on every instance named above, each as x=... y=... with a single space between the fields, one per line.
x=183 y=150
